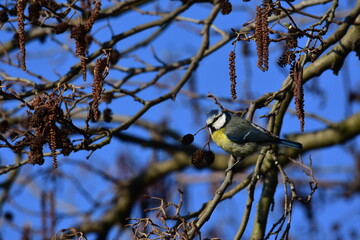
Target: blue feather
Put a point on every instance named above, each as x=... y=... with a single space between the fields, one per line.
x=290 y=143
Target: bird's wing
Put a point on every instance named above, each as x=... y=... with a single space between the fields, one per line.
x=240 y=130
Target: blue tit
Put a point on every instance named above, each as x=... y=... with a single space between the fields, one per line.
x=240 y=137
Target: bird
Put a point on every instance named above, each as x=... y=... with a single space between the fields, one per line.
x=240 y=137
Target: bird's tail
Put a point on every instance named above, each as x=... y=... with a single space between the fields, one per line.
x=290 y=144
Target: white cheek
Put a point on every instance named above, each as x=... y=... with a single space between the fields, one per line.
x=220 y=122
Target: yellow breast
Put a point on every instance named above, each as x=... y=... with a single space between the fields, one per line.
x=222 y=141
x=235 y=149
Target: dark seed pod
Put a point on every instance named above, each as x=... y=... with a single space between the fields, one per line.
x=226 y=8
x=187 y=139
x=3 y=16
x=107 y=115
x=114 y=56
x=34 y=11
x=197 y=157
x=13 y=11
x=107 y=97
x=277 y=11
x=4 y=126
x=9 y=216
x=209 y=157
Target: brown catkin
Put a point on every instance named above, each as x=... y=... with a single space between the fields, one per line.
x=36 y=150
x=286 y=58
x=94 y=14
x=232 y=73
x=262 y=37
x=291 y=40
x=20 y=6
x=78 y=33
x=265 y=40
x=52 y=105
x=296 y=72
x=97 y=86
x=52 y=140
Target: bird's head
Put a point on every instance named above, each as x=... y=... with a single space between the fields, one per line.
x=216 y=119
